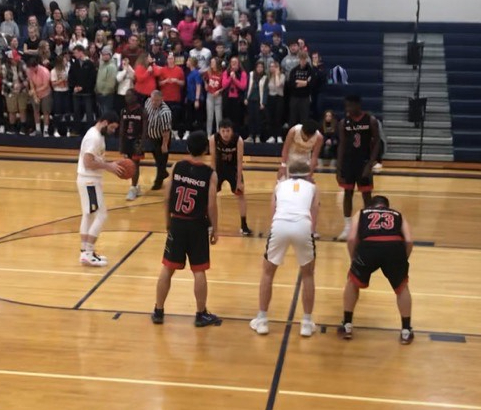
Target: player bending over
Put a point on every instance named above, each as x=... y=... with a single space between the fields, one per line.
x=295 y=204
x=380 y=238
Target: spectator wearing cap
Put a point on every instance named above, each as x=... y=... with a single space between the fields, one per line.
x=81 y=78
x=279 y=49
x=8 y=26
x=172 y=82
x=58 y=40
x=78 y=38
x=266 y=55
x=279 y=7
x=173 y=38
x=41 y=94
x=146 y=76
x=270 y=27
x=201 y=54
x=164 y=32
x=150 y=33
x=49 y=27
x=300 y=87
x=156 y=52
x=15 y=90
x=234 y=80
x=187 y=28
x=106 y=24
x=81 y=18
x=125 y=82
x=106 y=81
x=222 y=55
x=96 y=6
x=30 y=45
x=230 y=12
x=132 y=49
x=138 y=10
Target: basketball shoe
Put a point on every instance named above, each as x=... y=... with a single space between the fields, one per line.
x=157 y=316
x=206 y=318
x=308 y=327
x=92 y=259
x=260 y=325
x=406 y=337
x=132 y=194
x=345 y=331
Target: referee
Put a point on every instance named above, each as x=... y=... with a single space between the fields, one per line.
x=158 y=131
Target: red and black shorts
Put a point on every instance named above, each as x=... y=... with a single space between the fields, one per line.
x=228 y=174
x=351 y=173
x=390 y=257
x=187 y=238
x=132 y=148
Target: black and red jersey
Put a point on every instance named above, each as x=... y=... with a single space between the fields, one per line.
x=226 y=152
x=380 y=224
x=189 y=193
x=133 y=123
x=358 y=138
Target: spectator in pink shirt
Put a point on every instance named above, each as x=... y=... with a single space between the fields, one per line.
x=234 y=80
x=187 y=29
x=41 y=93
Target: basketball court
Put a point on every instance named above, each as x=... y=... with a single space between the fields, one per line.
x=75 y=337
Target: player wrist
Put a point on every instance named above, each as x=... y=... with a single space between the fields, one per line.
x=283 y=165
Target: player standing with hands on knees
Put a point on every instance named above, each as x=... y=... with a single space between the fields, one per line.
x=380 y=238
x=191 y=198
x=357 y=153
x=90 y=168
x=227 y=155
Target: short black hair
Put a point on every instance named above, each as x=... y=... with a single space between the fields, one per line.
x=109 y=116
x=309 y=127
x=380 y=200
x=355 y=99
x=197 y=143
x=226 y=123
x=79 y=47
x=292 y=42
x=32 y=62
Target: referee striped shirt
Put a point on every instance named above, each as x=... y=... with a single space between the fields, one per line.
x=159 y=119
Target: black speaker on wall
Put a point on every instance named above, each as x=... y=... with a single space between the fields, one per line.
x=415 y=52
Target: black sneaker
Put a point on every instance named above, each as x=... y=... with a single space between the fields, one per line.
x=206 y=318
x=406 y=337
x=157 y=185
x=345 y=331
x=157 y=316
x=246 y=231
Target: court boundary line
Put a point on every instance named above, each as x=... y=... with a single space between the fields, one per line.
x=111 y=271
x=276 y=378
x=146 y=382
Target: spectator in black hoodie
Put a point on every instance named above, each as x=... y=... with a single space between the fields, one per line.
x=82 y=78
x=300 y=87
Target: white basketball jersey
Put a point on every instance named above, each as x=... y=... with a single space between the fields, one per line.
x=93 y=143
x=294 y=199
x=301 y=150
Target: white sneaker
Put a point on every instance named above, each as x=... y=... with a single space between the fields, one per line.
x=92 y=259
x=261 y=326
x=56 y=134
x=249 y=140
x=186 y=135
x=33 y=133
x=316 y=236
x=343 y=236
x=258 y=140
x=2 y=129
x=280 y=140
x=308 y=327
x=345 y=331
x=132 y=194
x=175 y=135
x=377 y=167
x=138 y=188
x=68 y=134
x=271 y=140
x=46 y=134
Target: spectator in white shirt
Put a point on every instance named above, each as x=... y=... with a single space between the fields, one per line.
x=202 y=54
x=125 y=80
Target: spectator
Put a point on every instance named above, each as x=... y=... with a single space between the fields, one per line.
x=245 y=57
x=157 y=54
x=34 y=8
x=61 y=96
x=32 y=22
x=209 y=42
x=329 y=131
x=266 y=55
x=14 y=46
x=138 y=10
x=234 y=80
x=187 y=29
x=106 y=81
x=41 y=93
x=82 y=19
x=229 y=10
x=173 y=37
x=244 y=22
x=270 y=27
x=219 y=34
x=279 y=7
x=106 y=24
x=150 y=33
x=204 y=7
x=302 y=45
x=180 y=56
x=319 y=82
x=158 y=132
x=100 y=40
x=181 y=7
x=194 y=98
x=275 y=103
x=125 y=80
x=81 y=79
x=255 y=101
x=8 y=26
x=44 y=54
x=222 y=55
x=78 y=38
x=255 y=9
x=93 y=54
x=30 y=46
x=146 y=75
x=134 y=29
x=279 y=49
x=213 y=86
x=164 y=33
x=201 y=54
x=96 y=6
x=161 y=10
x=300 y=80
x=58 y=40
x=292 y=59
x=49 y=27
x=132 y=50
x=15 y=90
x=172 y=82
x=205 y=21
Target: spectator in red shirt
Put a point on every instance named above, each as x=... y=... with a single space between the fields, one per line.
x=187 y=29
x=172 y=81
x=234 y=80
x=41 y=93
x=146 y=75
x=213 y=86
x=132 y=50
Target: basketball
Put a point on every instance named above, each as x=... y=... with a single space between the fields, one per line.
x=129 y=168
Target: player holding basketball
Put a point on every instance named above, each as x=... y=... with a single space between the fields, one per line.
x=357 y=153
x=295 y=204
x=191 y=196
x=133 y=133
x=380 y=238
x=227 y=156
x=91 y=165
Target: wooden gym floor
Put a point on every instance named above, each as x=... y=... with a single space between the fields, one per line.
x=73 y=337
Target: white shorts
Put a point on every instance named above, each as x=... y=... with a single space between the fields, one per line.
x=91 y=194
x=285 y=233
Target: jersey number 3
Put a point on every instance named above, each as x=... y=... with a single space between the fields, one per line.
x=185 y=200
x=378 y=221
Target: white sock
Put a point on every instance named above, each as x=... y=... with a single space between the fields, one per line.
x=347 y=221
x=307 y=317
x=262 y=314
x=83 y=246
x=89 y=247
x=37 y=127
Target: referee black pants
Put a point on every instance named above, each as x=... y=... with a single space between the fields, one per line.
x=161 y=160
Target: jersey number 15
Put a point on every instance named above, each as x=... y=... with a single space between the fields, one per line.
x=185 y=200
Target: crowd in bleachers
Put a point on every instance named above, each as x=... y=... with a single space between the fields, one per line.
x=211 y=59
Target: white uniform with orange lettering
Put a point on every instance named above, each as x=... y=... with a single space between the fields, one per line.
x=292 y=222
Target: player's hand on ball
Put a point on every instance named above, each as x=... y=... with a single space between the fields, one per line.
x=116 y=169
x=214 y=237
